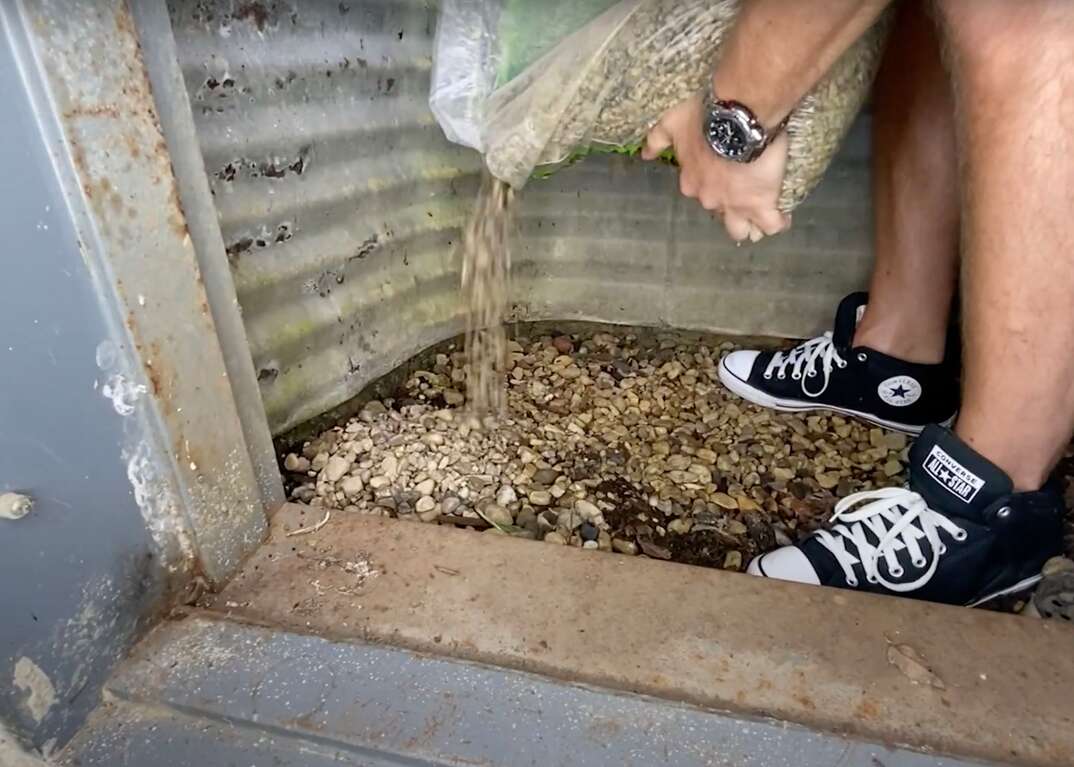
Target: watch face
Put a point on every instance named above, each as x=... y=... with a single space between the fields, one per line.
x=733 y=132
x=728 y=137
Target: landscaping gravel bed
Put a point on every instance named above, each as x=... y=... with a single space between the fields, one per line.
x=619 y=441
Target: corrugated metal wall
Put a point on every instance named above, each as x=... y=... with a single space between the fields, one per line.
x=340 y=203
x=339 y=199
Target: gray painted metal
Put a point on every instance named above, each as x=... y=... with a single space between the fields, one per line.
x=118 y=417
x=341 y=202
x=173 y=106
x=209 y=693
x=187 y=461
x=79 y=575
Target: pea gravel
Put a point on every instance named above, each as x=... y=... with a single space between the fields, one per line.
x=619 y=442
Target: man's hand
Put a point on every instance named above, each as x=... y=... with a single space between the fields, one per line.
x=745 y=195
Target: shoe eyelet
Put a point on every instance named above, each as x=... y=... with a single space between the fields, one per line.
x=1004 y=512
x=872 y=579
x=897 y=572
x=852 y=582
x=961 y=535
x=768 y=376
x=781 y=377
x=842 y=364
x=920 y=563
x=942 y=550
x=862 y=357
x=796 y=376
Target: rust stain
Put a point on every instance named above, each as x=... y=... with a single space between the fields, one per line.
x=156 y=373
x=176 y=217
x=256 y=13
x=93 y=110
x=132 y=145
x=78 y=155
x=124 y=22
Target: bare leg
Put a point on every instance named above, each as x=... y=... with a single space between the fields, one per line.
x=1013 y=67
x=915 y=193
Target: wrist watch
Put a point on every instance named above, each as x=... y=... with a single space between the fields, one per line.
x=733 y=130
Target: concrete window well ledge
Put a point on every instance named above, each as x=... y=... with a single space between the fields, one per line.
x=280 y=538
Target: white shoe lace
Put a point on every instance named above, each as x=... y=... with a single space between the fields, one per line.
x=898 y=519
x=803 y=360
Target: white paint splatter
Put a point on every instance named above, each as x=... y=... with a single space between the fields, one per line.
x=35 y=684
x=123 y=393
x=107 y=354
x=159 y=507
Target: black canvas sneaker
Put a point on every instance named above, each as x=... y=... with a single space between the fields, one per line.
x=829 y=373
x=957 y=534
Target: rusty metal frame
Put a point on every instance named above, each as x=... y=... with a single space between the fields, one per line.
x=177 y=124
x=188 y=455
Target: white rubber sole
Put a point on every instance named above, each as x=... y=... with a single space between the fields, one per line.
x=755 y=569
x=1022 y=585
x=758 y=397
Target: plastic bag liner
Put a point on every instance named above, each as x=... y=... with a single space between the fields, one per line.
x=531 y=83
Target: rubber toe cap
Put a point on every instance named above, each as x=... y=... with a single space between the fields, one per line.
x=785 y=564
x=740 y=363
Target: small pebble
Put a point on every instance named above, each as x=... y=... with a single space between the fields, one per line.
x=540 y=497
x=679 y=526
x=588 y=511
x=374 y=408
x=296 y=463
x=735 y=527
x=546 y=476
x=563 y=344
x=624 y=547
x=828 y=479
x=336 y=467
x=352 y=486
x=497 y=514
x=1057 y=565
x=724 y=501
x=425 y=504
